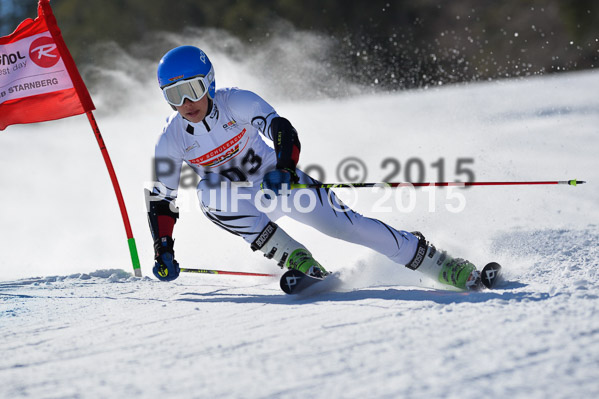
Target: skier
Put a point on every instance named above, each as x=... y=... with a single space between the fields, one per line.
x=219 y=134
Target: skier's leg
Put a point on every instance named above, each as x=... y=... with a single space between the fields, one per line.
x=235 y=211
x=332 y=217
x=321 y=209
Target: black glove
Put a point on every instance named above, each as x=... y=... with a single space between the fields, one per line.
x=166 y=267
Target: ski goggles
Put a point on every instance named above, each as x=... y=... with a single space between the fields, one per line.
x=193 y=89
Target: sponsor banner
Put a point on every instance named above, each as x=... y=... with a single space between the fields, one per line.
x=30 y=67
x=39 y=80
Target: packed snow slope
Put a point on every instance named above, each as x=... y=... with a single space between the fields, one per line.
x=75 y=324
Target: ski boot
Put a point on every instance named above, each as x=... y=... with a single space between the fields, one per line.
x=455 y=272
x=302 y=260
x=278 y=245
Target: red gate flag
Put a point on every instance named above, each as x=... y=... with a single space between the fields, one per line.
x=39 y=80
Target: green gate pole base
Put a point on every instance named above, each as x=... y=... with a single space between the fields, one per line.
x=134 y=257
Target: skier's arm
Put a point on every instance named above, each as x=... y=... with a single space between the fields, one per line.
x=287 y=149
x=287 y=145
x=162 y=219
x=162 y=215
x=162 y=211
x=248 y=107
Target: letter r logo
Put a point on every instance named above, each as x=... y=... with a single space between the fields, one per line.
x=44 y=52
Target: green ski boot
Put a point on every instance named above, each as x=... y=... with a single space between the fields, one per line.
x=459 y=273
x=301 y=259
x=440 y=266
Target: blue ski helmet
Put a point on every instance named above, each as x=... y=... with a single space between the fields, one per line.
x=185 y=62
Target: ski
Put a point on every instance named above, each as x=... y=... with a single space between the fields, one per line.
x=293 y=281
x=490 y=274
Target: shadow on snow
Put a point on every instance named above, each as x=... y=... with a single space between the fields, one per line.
x=390 y=294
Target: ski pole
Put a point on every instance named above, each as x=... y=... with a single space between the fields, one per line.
x=206 y=271
x=573 y=182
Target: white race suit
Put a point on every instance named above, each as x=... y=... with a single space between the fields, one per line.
x=228 y=146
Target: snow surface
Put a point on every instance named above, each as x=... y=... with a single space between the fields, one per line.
x=93 y=331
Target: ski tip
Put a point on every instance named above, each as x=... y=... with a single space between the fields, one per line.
x=290 y=281
x=295 y=282
x=490 y=274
